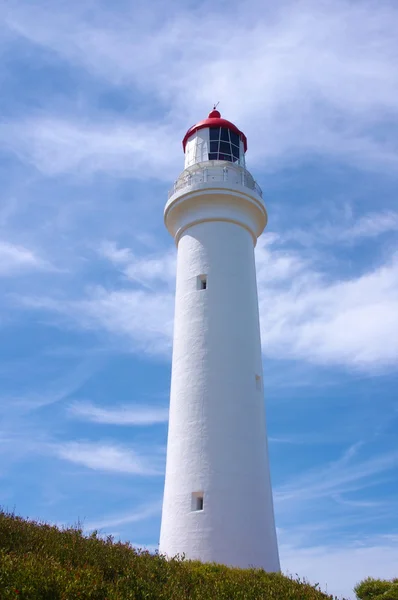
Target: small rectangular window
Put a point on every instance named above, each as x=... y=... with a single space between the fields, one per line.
x=202 y=282
x=258 y=383
x=197 y=501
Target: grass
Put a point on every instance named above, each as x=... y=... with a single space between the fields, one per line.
x=41 y=561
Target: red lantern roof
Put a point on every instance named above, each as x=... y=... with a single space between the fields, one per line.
x=214 y=120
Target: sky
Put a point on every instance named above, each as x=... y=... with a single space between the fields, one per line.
x=95 y=100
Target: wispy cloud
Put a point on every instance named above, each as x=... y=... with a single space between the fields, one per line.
x=371 y=226
x=149 y=271
x=120 y=415
x=43 y=393
x=109 y=457
x=356 y=503
x=305 y=314
x=117 y=256
x=144 y=319
x=140 y=514
x=342 y=475
x=328 y=517
x=56 y=145
x=139 y=309
x=14 y=260
x=345 y=229
x=373 y=557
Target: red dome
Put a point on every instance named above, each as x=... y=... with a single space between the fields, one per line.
x=214 y=120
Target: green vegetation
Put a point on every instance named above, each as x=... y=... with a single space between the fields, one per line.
x=377 y=589
x=39 y=561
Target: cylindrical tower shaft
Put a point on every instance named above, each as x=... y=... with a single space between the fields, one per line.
x=217 y=440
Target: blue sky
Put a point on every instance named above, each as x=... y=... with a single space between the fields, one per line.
x=95 y=100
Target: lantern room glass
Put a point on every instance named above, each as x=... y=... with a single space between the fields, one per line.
x=224 y=144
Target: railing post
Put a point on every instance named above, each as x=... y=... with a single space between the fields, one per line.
x=205 y=175
x=225 y=174
x=243 y=178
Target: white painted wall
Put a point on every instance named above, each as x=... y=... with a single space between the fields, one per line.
x=217 y=437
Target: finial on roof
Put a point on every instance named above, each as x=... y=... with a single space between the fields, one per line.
x=214 y=114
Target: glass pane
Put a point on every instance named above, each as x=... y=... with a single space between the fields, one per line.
x=235 y=152
x=224 y=135
x=214 y=133
x=225 y=147
x=225 y=157
x=212 y=156
x=213 y=146
x=234 y=138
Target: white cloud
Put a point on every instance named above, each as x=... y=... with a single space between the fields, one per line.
x=117 y=256
x=345 y=229
x=108 y=457
x=338 y=568
x=144 y=318
x=149 y=271
x=142 y=313
x=120 y=415
x=305 y=315
x=56 y=145
x=16 y=259
x=371 y=226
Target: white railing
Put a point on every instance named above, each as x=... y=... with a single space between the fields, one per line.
x=215 y=171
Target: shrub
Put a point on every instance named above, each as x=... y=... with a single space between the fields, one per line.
x=43 y=562
x=377 y=589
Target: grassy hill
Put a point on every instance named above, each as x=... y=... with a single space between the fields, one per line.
x=39 y=561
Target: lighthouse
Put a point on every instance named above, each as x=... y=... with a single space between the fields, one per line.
x=217 y=504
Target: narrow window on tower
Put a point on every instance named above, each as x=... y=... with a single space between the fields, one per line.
x=197 y=501
x=258 y=383
x=202 y=282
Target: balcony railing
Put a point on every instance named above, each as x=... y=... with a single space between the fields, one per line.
x=215 y=172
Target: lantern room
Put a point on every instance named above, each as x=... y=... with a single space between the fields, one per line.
x=214 y=138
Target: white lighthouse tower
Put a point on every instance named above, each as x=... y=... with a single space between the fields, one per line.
x=217 y=504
